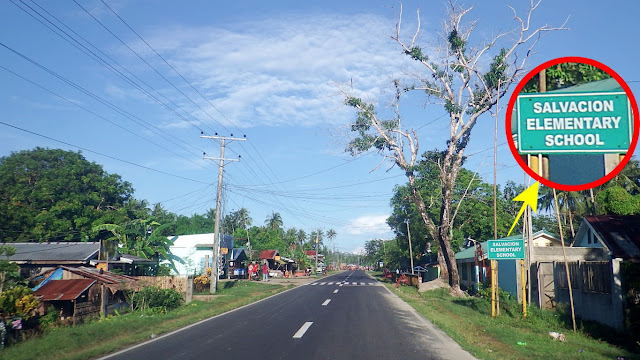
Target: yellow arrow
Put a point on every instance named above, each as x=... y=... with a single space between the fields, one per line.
x=530 y=197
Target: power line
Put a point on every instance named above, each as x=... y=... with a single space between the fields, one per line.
x=101 y=61
x=101 y=154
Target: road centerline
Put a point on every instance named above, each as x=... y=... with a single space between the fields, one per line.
x=335 y=291
x=326 y=302
x=302 y=330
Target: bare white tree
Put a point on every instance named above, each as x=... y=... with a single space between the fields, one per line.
x=456 y=78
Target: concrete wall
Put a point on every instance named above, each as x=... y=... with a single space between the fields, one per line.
x=554 y=253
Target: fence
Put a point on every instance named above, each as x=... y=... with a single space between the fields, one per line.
x=179 y=283
x=588 y=276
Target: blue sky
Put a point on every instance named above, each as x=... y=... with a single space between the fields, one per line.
x=267 y=70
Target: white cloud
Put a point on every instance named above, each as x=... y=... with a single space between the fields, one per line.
x=374 y=225
x=279 y=71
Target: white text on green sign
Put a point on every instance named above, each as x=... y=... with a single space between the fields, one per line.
x=505 y=249
x=574 y=123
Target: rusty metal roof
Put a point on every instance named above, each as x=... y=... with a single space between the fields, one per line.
x=105 y=278
x=268 y=254
x=63 y=289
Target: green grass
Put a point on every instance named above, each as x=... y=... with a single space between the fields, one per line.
x=116 y=332
x=468 y=321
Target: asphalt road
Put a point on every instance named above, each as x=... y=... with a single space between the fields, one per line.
x=344 y=316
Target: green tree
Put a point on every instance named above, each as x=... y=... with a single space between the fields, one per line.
x=617 y=201
x=565 y=75
x=139 y=237
x=274 y=221
x=18 y=301
x=468 y=79
x=236 y=220
x=472 y=216
x=331 y=234
x=57 y=195
x=301 y=236
x=9 y=271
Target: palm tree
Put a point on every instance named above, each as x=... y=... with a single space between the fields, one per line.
x=628 y=178
x=570 y=203
x=274 y=221
x=138 y=237
x=331 y=234
x=302 y=236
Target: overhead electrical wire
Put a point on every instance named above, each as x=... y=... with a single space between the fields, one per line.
x=193 y=87
x=101 y=154
x=100 y=60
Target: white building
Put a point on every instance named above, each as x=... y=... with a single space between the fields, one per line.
x=194 y=250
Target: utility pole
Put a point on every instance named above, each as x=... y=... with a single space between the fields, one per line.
x=410 y=249
x=216 y=230
x=317 y=238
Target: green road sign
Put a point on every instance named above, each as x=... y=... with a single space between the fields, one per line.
x=505 y=249
x=574 y=123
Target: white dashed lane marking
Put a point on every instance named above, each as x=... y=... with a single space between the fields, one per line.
x=303 y=329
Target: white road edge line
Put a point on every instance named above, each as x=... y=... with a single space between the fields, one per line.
x=326 y=302
x=302 y=330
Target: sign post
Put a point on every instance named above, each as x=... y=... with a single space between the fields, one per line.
x=503 y=250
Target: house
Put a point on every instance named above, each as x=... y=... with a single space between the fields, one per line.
x=311 y=254
x=270 y=256
x=196 y=251
x=604 y=289
x=474 y=266
x=34 y=258
x=78 y=293
x=235 y=264
x=127 y=264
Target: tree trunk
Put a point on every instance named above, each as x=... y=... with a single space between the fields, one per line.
x=444 y=237
x=444 y=272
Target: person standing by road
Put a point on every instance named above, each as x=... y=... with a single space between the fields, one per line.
x=251 y=270
x=265 y=272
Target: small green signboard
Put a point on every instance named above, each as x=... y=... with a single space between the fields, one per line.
x=574 y=123
x=505 y=249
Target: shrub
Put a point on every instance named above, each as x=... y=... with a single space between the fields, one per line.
x=18 y=301
x=50 y=319
x=153 y=297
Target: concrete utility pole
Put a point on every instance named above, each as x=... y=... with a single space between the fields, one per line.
x=410 y=249
x=216 y=231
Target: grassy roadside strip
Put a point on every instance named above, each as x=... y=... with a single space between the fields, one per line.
x=113 y=333
x=468 y=321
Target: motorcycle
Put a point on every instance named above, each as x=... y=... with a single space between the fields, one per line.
x=307 y=272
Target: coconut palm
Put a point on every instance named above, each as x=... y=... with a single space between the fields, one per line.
x=274 y=221
x=570 y=203
x=301 y=236
x=331 y=234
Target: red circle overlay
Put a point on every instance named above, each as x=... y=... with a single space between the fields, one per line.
x=636 y=123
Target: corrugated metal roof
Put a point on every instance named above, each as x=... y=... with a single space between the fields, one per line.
x=268 y=254
x=105 y=278
x=621 y=234
x=55 y=251
x=63 y=289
